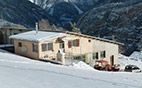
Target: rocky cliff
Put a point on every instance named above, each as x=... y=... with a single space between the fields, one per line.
x=66 y=11
x=21 y=12
x=123 y=20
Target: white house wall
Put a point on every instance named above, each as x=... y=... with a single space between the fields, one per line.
x=109 y=48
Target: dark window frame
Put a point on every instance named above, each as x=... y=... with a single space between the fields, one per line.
x=15 y=33
x=89 y=40
x=19 y=44
x=96 y=55
x=44 y=47
x=61 y=45
x=103 y=54
x=47 y=47
x=35 y=47
x=50 y=46
x=75 y=43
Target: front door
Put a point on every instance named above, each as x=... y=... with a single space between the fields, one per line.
x=62 y=46
x=112 y=60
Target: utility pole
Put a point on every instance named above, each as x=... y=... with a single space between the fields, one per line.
x=1 y=15
x=37 y=28
x=141 y=43
x=113 y=37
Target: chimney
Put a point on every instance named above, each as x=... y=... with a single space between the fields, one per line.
x=36 y=27
x=113 y=37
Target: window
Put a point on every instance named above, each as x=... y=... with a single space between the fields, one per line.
x=73 y=43
x=103 y=54
x=20 y=30
x=61 y=45
x=47 y=47
x=20 y=44
x=135 y=68
x=80 y=57
x=15 y=33
x=95 y=55
x=89 y=40
x=50 y=46
x=35 y=47
x=44 y=47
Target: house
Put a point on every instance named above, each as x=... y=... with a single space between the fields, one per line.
x=5 y=32
x=46 y=45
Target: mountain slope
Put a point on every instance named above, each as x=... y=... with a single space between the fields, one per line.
x=66 y=11
x=124 y=20
x=21 y=12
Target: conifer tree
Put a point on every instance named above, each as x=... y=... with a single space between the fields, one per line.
x=74 y=28
x=54 y=27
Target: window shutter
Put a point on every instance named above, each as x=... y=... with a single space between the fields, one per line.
x=69 y=44
x=77 y=42
x=104 y=54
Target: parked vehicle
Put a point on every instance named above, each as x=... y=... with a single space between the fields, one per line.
x=132 y=68
x=103 y=65
x=115 y=67
x=100 y=64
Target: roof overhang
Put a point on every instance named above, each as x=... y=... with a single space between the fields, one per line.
x=96 y=38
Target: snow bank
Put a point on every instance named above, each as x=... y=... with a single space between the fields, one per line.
x=136 y=55
x=81 y=65
x=124 y=60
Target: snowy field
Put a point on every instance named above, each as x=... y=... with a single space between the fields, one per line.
x=20 y=72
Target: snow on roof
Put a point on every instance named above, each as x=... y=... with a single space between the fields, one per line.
x=39 y=37
x=136 y=54
x=43 y=36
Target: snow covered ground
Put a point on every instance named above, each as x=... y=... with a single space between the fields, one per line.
x=21 y=72
x=137 y=55
x=124 y=60
x=80 y=65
